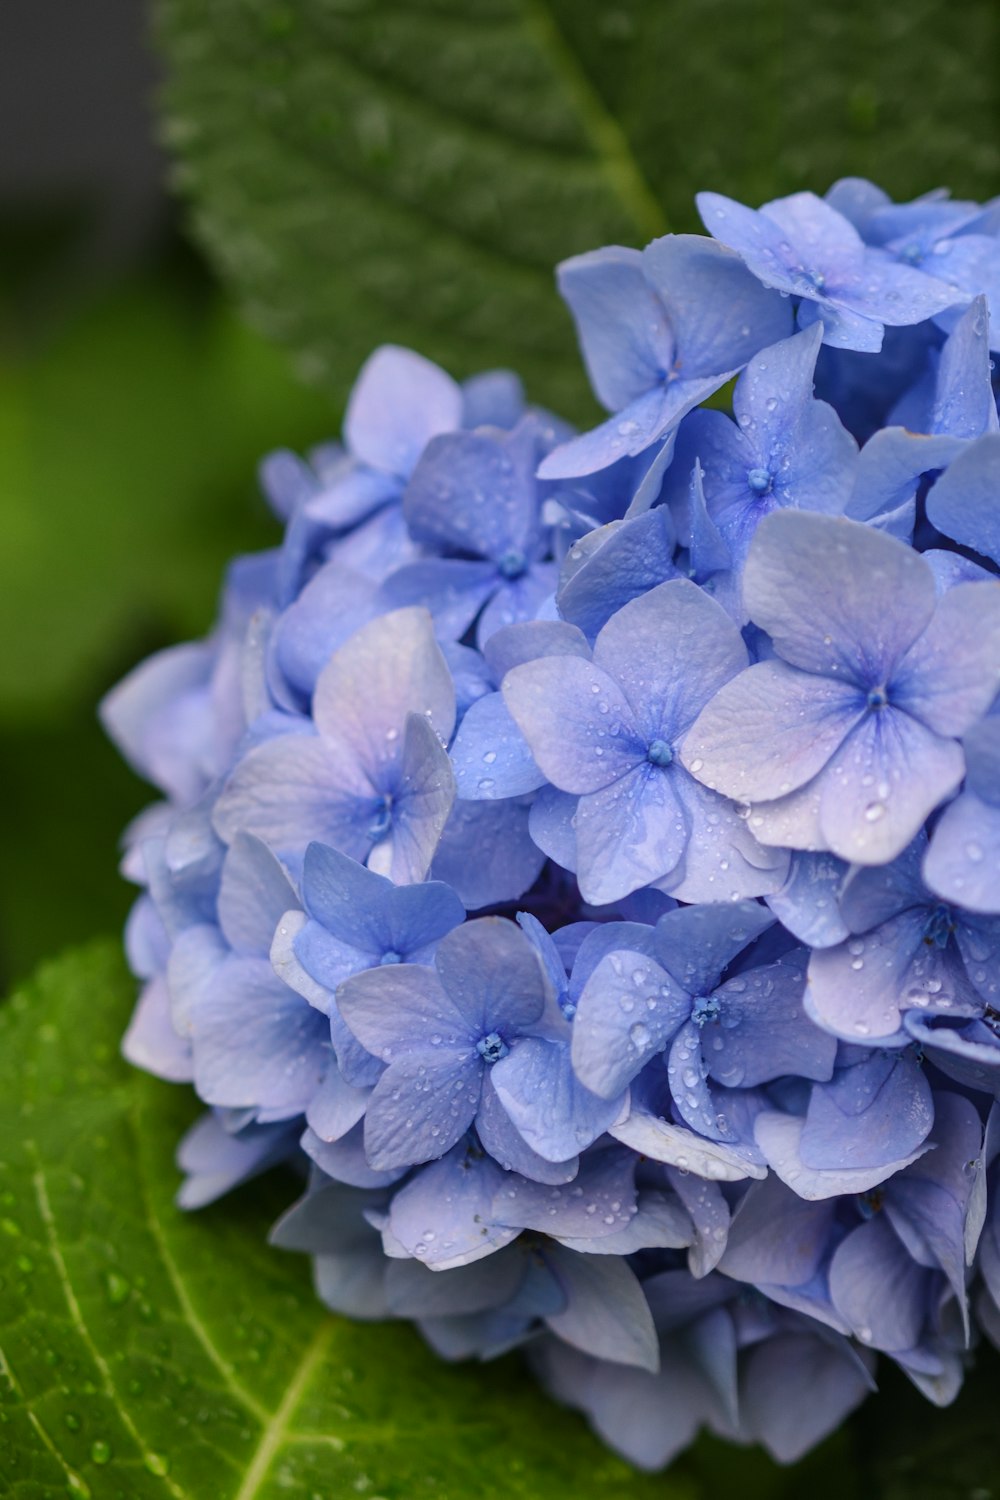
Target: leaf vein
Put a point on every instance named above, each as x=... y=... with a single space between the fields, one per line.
x=195 y=1323
x=76 y=1481
x=609 y=139
x=276 y=1431
x=79 y=1322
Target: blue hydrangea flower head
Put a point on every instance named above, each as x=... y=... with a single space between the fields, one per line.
x=578 y=854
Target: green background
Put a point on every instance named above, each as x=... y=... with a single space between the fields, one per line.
x=353 y=171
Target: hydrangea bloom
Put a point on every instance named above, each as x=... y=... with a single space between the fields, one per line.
x=580 y=853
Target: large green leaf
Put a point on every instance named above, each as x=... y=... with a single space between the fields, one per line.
x=363 y=172
x=150 y=1355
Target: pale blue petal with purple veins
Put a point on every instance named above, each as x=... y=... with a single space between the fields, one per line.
x=817 y=585
x=731 y=746
x=578 y=724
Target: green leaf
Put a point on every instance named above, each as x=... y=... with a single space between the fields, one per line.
x=128 y=447
x=363 y=172
x=158 y=1356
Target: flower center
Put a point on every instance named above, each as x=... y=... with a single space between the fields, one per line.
x=512 y=564
x=381 y=819
x=392 y=957
x=492 y=1047
x=705 y=1008
x=878 y=698
x=939 y=927
x=659 y=754
x=759 y=480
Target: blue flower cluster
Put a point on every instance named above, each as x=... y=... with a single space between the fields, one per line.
x=580 y=853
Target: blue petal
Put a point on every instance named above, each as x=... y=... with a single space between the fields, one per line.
x=606 y=1313
x=554 y=1113
x=254 y=895
x=399 y=402
x=388 y=669
x=627 y=1012
x=763 y=1031
x=951 y=675
x=807 y=903
x=509 y=1148
x=492 y=975
x=875 y=1112
x=615 y=564
x=666 y=690
x=444 y=1214
x=963 y=860
x=695 y=943
x=475 y=492
x=770 y=730
x=624 y=333
x=817 y=585
x=423 y=800
x=878 y=1289
x=629 y=834
x=885 y=779
x=719 y=312
x=486 y=853
x=407 y=1120
x=578 y=725
x=962 y=503
x=490 y=754
x=779 y=1136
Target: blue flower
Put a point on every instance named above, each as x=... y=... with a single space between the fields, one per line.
x=909 y=957
x=609 y=731
x=661 y=329
x=785 y=449
x=848 y=738
x=804 y=248
x=372 y=777
x=474 y=498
